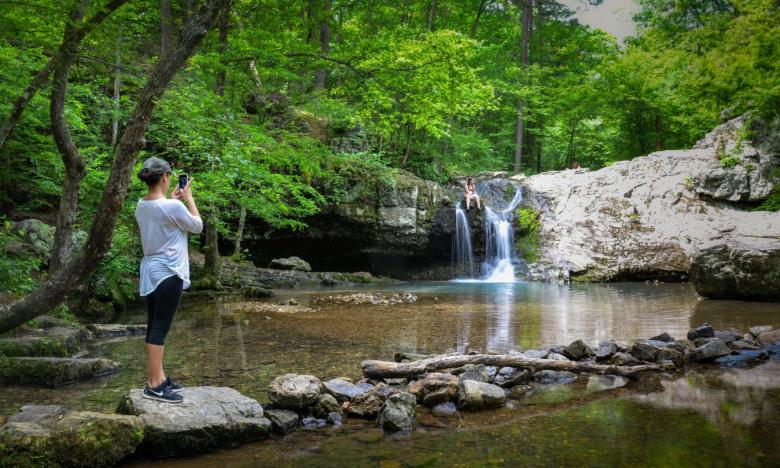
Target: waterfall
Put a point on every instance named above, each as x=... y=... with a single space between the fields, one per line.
x=462 y=255
x=499 y=240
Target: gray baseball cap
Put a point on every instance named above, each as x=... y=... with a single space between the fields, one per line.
x=156 y=165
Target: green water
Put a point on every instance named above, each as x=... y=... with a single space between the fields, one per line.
x=709 y=417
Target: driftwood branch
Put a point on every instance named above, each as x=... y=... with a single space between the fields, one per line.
x=385 y=369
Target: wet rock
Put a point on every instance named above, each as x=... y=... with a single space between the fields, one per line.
x=557 y=357
x=624 y=359
x=491 y=372
x=704 y=331
x=742 y=358
x=472 y=372
x=435 y=388
x=208 y=418
x=290 y=263
x=294 y=391
x=710 y=351
x=703 y=341
x=578 y=350
x=742 y=345
x=480 y=395
x=728 y=336
x=368 y=404
x=445 y=410
x=606 y=350
x=112 y=330
x=337 y=419
x=536 y=353
x=397 y=414
x=644 y=351
x=759 y=329
x=54 y=371
x=769 y=338
x=50 y=435
x=663 y=337
x=283 y=421
x=256 y=292
x=312 y=424
x=547 y=377
x=599 y=383
x=342 y=390
x=397 y=382
x=509 y=377
x=325 y=405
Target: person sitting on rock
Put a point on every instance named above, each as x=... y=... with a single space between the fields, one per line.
x=471 y=193
x=165 y=269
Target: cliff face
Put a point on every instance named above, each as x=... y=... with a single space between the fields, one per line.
x=657 y=215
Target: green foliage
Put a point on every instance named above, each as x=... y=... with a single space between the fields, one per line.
x=527 y=234
x=729 y=161
x=17 y=270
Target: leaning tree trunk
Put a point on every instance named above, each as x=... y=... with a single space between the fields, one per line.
x=82 y=264
x=527 y=12
x=43 y=74
x=72 y=160
x=387 y=369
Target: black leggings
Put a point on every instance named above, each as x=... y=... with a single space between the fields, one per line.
x=161 y=305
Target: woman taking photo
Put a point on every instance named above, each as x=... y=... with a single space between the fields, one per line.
x=165 y=269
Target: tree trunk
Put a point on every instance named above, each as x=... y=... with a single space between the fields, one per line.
x=224 y=28
x=319 y=79
x=166 y=27
x=408 y=150
x=87 y=260
x=117 y=85
x=475 y=24
x=432 y=15
x=526 y=25
x=659 y=135
x=570 y=148
x=240 y=232
x=72 y=160
x=40 y=78
x=386 y=369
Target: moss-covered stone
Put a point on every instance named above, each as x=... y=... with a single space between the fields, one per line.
x=527 y=233
x=52 y=436
x=52 y=341
x=53 y=371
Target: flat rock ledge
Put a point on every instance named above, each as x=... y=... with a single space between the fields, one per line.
x=54 y=371
x=207 y=419
x=51 y=435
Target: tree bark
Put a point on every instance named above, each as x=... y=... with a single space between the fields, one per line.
x=117 y=85
x=240 y=232
x=319 y=80
x=659 y=135
x=43 y=74
x=432 y=15
x=166 y=27
x=72 y=160
x=475 y=24
x=86 y=261
x=385 y=369
x=526 y=26
x=408 y=150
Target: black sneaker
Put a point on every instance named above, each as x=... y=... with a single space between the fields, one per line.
x=173 y=385
x=162 y=393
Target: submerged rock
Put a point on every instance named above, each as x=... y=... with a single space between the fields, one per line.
x=294 y=391
x=480 y=395
x=397 y=414
x=742 y=358
x=703 y=331
x=547 y=377
x=710 y=351
x=311 y=424
x=208 y=418
x=54 y=371
x=445 y=410
x=50 y=435
x=284 y=421
x=290 y=263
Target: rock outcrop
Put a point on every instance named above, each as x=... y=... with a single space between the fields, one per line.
x=208 y=418
x=663 y=215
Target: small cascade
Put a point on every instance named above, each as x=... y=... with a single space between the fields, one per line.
x=499 y=240
x=462 y=254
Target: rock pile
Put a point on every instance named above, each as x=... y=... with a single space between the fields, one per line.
x=367 y=298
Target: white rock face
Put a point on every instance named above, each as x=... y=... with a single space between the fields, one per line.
x=649 y=217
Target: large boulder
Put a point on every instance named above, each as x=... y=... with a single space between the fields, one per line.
x=480 y=395
x=710 y=351
x=207 y=419
x=397 y=414
x=653 y=216
x=51 y=435
x=290 y=263
x=510 y=376
x=54 y=371
x=294 y=391
x=578 y=350
x=742 y=268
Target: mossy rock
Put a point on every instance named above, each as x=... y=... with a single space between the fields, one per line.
x=256 y=292
x=53 y=371
x=527 y=230
x=52 y=436
x=57 y=341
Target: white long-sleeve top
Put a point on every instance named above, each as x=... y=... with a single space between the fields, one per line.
x=164 y=226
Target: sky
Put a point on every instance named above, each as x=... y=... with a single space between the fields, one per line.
x=612 y=16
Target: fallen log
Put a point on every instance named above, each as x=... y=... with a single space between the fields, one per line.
x=384 y=369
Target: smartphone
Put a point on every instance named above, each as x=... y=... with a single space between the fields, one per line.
x=182 y=180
